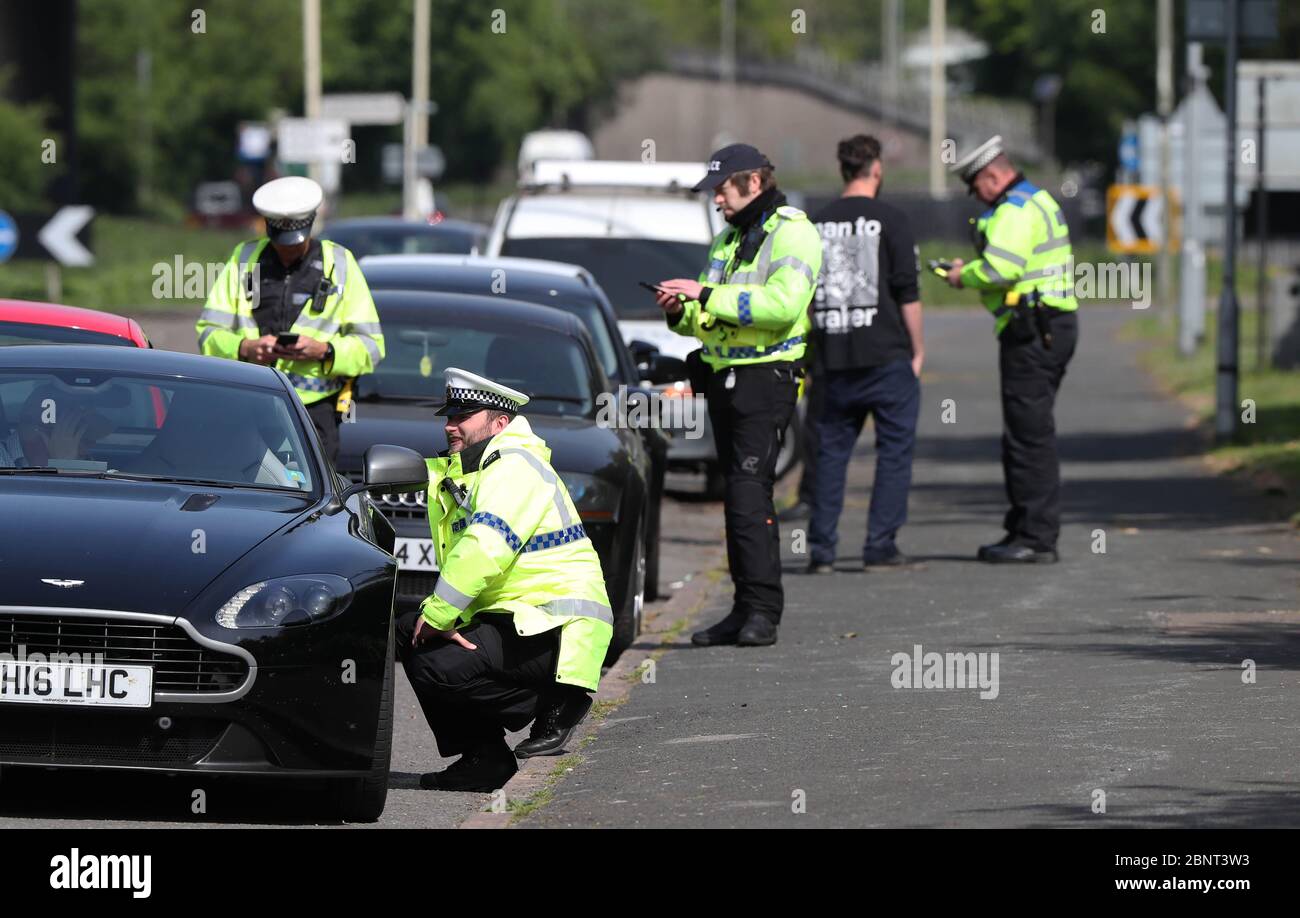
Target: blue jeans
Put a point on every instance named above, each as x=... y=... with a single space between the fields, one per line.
x=892 y=396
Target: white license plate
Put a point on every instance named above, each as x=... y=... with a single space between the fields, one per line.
x=97 y=684
x=415 y=555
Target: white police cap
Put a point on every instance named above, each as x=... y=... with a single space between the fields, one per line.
x=289 y=205
x=969 y=165
x=468 y=391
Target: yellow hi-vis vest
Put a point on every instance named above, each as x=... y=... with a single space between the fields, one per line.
x=757 y=313
x=1024 y=245
x=508 y=539
x=347 y=319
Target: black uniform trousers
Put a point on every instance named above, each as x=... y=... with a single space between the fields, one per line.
x=326 y=418
x=470 y=697
x=749 y=420
x=1031 y=375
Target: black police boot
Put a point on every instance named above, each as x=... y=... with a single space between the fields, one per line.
x=982 y=554
x=1019 y=553
x=558 y=715
x=481 y=770
x=759 y=631
x=724 y=632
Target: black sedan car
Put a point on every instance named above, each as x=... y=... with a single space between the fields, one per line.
x=544 y=353
x=574 y=290
x=393 y=235
x=192 y=589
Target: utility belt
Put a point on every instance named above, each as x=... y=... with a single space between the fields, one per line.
x=1030 y=318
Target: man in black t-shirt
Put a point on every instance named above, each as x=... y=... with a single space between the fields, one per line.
x=867 y=352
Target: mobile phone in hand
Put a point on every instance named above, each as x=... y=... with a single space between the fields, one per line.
x=653 y=288
x=284 y=339
x=940 y=268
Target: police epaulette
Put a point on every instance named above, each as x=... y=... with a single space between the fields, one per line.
x=496 y=454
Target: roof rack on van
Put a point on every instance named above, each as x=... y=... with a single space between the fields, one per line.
x=598 y=173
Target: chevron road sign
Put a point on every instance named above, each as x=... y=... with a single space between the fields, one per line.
x=1134 y=219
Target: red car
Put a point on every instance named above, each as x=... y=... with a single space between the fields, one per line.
x=24 y=322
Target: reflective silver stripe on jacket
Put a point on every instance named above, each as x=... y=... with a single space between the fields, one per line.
x=548 y=476
x=1004 y=254
x=451 y=596
x=588 y=608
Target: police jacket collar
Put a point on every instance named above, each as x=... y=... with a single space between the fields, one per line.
x=754 y=211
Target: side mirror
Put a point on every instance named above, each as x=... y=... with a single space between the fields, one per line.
x=642 y=353
x=389 y=470
x=394 y=470
x=664 y=369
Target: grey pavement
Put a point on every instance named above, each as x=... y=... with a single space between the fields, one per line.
x=1120 y=677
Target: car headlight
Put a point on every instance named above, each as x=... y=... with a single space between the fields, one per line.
x=595 y=498
x=286 y=601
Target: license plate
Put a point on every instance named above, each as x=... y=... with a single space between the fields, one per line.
x=415 y=555
x=97 y=684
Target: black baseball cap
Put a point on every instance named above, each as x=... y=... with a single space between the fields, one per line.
x=737 y=157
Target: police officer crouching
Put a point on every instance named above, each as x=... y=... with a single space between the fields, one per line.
x=749 y=308
x=1024 y=275
x=298 y=303
x=519 y=621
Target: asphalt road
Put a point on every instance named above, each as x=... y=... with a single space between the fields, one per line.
x=1120 y=674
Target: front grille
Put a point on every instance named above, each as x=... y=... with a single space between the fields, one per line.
x=179 y=663
x=395 y=506
x=415 y=585
x=103 y=737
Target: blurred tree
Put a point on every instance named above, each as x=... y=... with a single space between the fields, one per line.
x=24 y=178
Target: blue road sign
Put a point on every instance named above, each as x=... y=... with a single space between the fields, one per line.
x=8 y=236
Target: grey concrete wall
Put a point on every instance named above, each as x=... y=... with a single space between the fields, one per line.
x=798 y=132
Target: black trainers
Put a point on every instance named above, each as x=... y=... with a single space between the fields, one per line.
x=480 y=770
x=819 y=567
x=558 y=715
x=890 y=557
x=724 y=632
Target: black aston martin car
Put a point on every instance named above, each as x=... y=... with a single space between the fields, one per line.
x=185 y=582
x=543 y=352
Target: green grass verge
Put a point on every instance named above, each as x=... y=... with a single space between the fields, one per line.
x=1266 y=451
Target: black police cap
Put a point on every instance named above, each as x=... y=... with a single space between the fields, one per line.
x=738 y=157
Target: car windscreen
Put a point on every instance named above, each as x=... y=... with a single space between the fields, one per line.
x=151 y=427
x=617 y=265
x=396 y=240
x=31 y=333
x=586 y=308
x=549 y=367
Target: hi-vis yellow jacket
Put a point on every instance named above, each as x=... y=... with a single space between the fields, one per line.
x=1024 y=245
x=346 y=319
x=757 y=311
x=508 y=538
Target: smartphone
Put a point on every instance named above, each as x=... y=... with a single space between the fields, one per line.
x=284 y=339
x=651 y=287
x=940 y=268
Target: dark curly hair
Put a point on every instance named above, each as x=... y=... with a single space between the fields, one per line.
x=856 y=154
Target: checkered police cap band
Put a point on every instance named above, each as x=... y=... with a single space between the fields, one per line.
x=277 y=223
x=480 y=397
